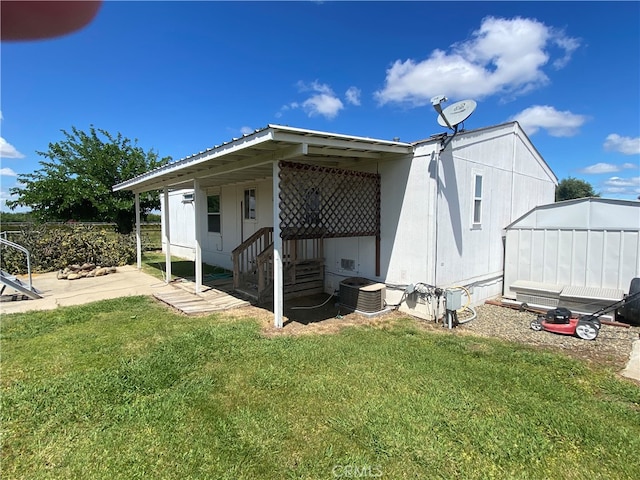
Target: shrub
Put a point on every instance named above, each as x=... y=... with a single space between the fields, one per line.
x=55 y=247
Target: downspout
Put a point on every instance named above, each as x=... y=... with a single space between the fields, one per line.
x=435 y=215
x=441 y=146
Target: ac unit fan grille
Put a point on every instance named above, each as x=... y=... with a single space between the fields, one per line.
x=362 y=295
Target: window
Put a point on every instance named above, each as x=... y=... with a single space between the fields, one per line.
x=250 y=204
x=312 y=206
x=477 y=200
x=213 y=213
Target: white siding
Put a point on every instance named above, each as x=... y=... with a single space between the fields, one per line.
x=407 y=218
x=584 y=243
x=581 y=258
x=217 y=247
x=181 y=225
x=424 y=241
x=515 y=178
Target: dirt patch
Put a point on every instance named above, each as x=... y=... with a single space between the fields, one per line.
x=611 y=348
x=316 y=314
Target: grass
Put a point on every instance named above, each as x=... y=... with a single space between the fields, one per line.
x=125 y=389
x=154 y=263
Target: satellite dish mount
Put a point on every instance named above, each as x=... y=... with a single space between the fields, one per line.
x=454 y=114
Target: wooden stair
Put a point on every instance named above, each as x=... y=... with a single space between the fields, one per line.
x=303 y=267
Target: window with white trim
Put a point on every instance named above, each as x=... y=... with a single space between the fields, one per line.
x=477 y=200
x=250 y=204
x=213 y=214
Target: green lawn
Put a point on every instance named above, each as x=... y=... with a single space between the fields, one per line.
x=154 y=263
x=125 y=389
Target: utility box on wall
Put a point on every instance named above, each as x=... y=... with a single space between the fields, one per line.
x=453 y=299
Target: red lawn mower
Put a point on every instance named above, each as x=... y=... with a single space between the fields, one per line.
x=561 y=320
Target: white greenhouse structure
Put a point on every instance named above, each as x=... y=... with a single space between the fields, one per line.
x=581 y=254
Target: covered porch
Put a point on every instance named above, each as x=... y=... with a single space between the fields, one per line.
x=323 y=186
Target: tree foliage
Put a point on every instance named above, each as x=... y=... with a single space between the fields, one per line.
x=570 y=188
x=75 y=180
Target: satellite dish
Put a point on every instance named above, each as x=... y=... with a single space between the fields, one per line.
x=456 y=113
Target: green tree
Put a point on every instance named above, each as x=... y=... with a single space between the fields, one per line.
x=570 y=188
x=75 y=181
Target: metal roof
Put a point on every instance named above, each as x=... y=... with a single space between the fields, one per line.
x=589 y=213
x=251 y=157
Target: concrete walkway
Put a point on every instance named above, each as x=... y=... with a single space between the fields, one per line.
x=632 y=369
x=127 y=281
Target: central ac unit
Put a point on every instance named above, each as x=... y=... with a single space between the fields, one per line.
x=362 y=295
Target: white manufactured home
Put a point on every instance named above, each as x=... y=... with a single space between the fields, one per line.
x=293 y=211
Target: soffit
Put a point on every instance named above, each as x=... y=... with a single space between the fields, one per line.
x=251 y=158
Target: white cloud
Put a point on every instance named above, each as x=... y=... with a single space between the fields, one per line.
x=322 y=104
x=623 y=182
x=352 y=96
x=4 y=196
x=314 y=86
x=323 y=101
x=504 y=56
x=556 y=123
x=622 y=186
x=246 y=130
x=626 y=145
x=8 y=151
x=568 y=44
x=7 y=172
x=600 y=168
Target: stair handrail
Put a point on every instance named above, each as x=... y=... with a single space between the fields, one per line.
x=239 y=255
x=264 y=262
x=9 y=243
x=252 y=239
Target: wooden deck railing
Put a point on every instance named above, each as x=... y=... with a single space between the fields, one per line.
x=245 y=255
x=253 y=260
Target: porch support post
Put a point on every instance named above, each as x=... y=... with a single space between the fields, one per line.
x=377 y=255
x=378 y=227
x=278 y=294
x=167 y=234
x=136 y=197
x=198 y=199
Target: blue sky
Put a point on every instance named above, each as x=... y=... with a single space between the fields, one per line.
x=184 y=76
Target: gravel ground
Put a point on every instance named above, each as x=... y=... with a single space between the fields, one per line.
x=611 y=347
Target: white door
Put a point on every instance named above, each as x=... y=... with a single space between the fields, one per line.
x=249 y=213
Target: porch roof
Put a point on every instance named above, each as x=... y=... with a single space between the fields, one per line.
x=251 y=156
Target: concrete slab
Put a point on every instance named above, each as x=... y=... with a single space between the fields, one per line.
x=127 y=281
x=632 y=370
